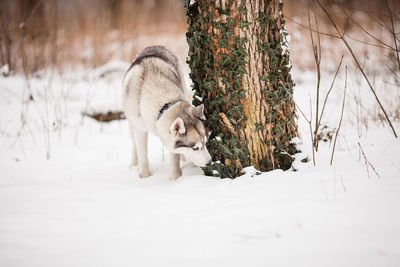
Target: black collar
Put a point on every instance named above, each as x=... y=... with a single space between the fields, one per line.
x=166 y=106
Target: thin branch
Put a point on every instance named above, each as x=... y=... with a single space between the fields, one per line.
x=317 y=58
x=391 y=59
x=367 y=32
x=358 y=65
x=360 y=9
x=387 y=27
x=341 y=118
x=367 y=162
x=308 y=28
x=318 y=35
x=335 y=36
x=394 y=84
x=367 y=43
x=311 y=133
x=392 y=70
x=383 y=25
x=309 y=121
x=393 y=32
x=329 y=91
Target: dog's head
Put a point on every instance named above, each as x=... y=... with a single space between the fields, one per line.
x=189 y=136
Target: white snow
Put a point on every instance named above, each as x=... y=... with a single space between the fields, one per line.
x=85 y=207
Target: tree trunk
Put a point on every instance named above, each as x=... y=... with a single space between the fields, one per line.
x=240 y=70
x=5 y=35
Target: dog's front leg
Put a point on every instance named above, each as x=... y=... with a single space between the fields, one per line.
x=141 y=144
x=175 y=168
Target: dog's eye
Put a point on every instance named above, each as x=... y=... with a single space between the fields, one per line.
x=195 y=148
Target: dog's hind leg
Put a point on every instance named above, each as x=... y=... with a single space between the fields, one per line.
x=141 y=143
x=175 y=168
x=134 y=161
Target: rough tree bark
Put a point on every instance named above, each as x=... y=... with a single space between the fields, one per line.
x=240 y=70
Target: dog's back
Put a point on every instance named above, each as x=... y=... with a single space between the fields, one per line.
x=153 y=79
x=160 y=52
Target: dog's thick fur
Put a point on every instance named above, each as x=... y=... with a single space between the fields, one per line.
x=155 y=100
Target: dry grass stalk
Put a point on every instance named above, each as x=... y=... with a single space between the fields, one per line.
x=47 y=121
x=358 y=65
x=329 y=91
x=341 y=118
x=317 y=58
x=311 y=132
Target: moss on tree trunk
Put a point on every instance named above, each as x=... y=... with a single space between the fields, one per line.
x=240 y=70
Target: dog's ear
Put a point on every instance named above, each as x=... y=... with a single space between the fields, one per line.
x=177 y=126
x=199 y=112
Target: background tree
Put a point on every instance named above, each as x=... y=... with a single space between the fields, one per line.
x=239 y=63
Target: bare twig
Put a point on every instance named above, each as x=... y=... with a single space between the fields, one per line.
x=358 y=65
x=360 y=9
x=367 y=162
x=394 y=84
x=393 y=31
x=309 y=121
x=383 y=25
x=392 y=70
x=329 y=91
x=317 y=58
x=336 y=36
x=367 y=32
x=390 y=58
x=308 y=28
x=311 y=132
x=341 y=118
x=367 y=43
x=47 y=120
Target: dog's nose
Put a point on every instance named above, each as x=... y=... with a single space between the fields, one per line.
x=208 y=163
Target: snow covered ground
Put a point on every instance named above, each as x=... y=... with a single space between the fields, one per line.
x=85 y=207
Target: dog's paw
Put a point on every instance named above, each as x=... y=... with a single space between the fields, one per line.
x=175 y=175
x=144 y=174
x=134 y=161
x=133 y=164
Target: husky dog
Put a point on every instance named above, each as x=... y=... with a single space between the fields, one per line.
x=155 y=100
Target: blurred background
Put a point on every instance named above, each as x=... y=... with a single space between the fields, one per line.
x=38 y=34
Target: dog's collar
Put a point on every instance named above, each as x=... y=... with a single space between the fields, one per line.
x=166 y=106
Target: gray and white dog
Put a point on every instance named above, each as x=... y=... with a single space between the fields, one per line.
x=155 y=100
